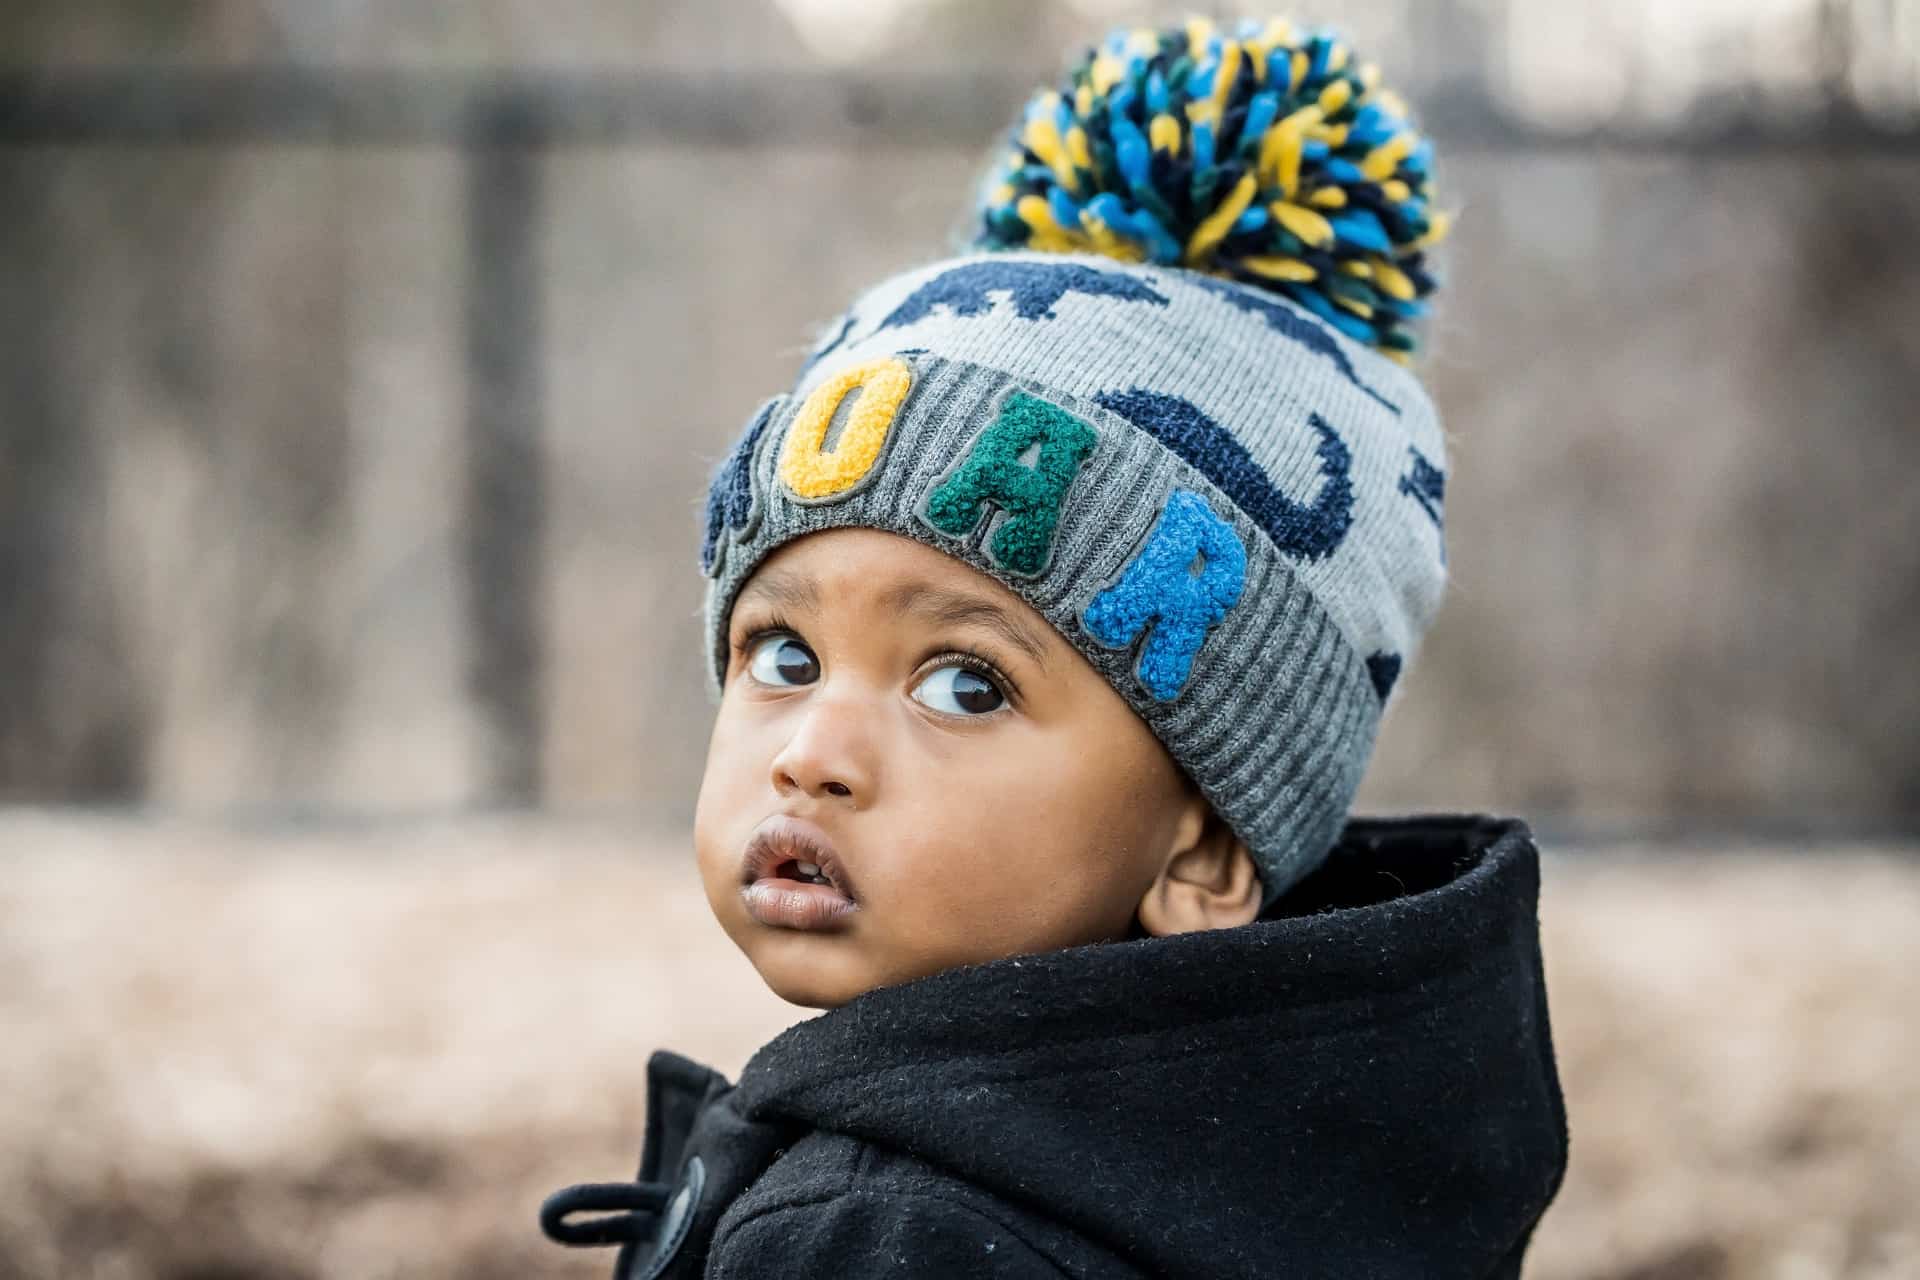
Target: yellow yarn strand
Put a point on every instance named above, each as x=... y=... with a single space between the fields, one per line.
x=1437 y=228
x=1280 y=267
x=1385 y=158
x=1303 y=222
x=1257 y=54
x=1077 y=150
x=1214 y=229
x=1043 y=139
x=1280 y=149
x=1392 y=280
x=1223 y=79
x=1164 y=134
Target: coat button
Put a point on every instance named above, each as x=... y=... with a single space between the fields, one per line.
x=676 y=1219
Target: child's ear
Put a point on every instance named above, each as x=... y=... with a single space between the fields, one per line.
x=1208 y=882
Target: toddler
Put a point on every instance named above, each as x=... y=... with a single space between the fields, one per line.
x=1051 y=618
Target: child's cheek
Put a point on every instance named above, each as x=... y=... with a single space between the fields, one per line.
x=998 y=862
x=723 y=811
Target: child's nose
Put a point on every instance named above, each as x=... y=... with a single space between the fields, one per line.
x=829 y=755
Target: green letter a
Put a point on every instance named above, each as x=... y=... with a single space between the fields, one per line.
x=1030 y=495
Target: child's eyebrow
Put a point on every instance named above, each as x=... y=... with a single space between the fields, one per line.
x=786 y=590
x=794 y=592
x=945 y=607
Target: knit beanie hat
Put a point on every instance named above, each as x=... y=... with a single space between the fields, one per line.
x=1164 y=395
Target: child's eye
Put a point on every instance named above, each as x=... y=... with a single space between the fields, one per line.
x=782 y=660
x=959 y=691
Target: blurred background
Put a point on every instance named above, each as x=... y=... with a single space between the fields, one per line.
x=361 y=368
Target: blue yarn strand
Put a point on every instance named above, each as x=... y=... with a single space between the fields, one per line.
x=1361 y=229
x=1157 y=92
x=1130 y=150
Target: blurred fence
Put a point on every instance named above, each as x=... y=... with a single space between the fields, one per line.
x=357 y=421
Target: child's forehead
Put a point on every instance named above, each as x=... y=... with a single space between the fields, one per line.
x=861 y=556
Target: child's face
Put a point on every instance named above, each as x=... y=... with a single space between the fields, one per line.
x=978 y=806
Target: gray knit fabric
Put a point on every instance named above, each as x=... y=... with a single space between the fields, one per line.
x=1324 y=458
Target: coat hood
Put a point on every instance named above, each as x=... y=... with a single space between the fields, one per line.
x=1360 y=1082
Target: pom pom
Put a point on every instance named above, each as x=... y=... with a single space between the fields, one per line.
x=1261 y=156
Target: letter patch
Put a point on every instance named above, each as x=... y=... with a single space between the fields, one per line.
x=817 y=468
x=1184 y=581
x=730 y=498
x=993 y=473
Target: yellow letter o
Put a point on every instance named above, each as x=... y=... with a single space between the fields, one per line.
x=813 y=472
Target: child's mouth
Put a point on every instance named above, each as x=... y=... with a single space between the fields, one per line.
x=792 y=877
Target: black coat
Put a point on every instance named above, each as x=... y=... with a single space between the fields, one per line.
x=1359 y=1084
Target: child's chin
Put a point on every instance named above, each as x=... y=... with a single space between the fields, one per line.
x=809 y=976
x=807 y=993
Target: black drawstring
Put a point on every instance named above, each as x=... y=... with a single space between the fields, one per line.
x=642 y=1202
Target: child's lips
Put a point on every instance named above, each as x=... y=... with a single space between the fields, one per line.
x=796 y=904
x=785 y=902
